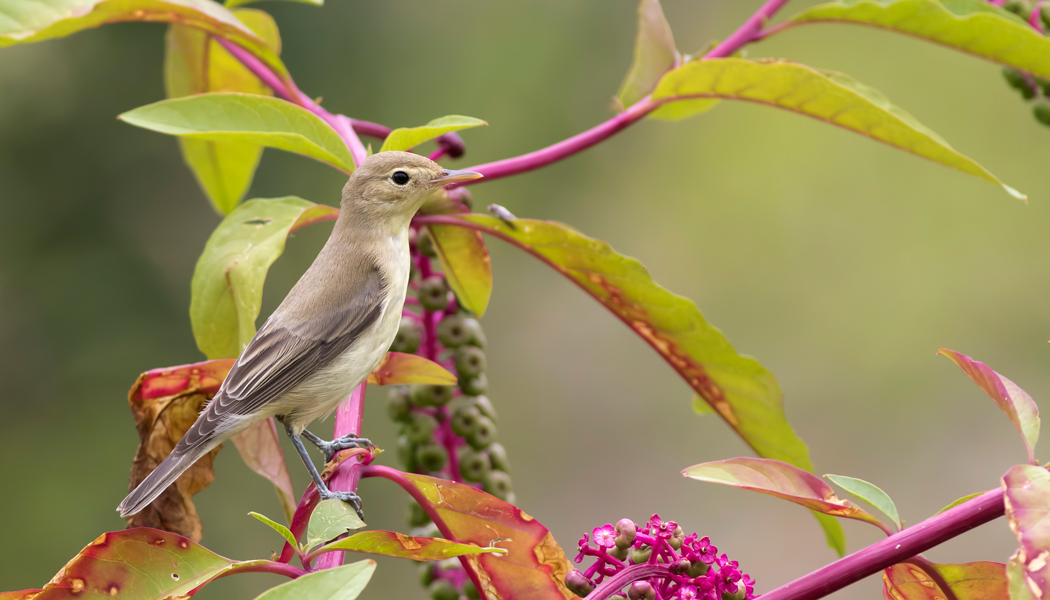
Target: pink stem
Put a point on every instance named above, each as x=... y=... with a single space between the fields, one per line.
x=348 y=420
x=370 y=129
x=1033 y=19
x=748 y=31
x=438 y=154
x=633 y=573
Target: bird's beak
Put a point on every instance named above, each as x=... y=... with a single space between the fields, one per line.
x=449 y=176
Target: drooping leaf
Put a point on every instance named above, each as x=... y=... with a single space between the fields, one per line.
x=960 y=501
x=341 y=583
x=824 y=95
x=245 y=118
x=1019 y=407
x=260 y=449
x=398 y=545
x=281 y=529
x=1027 y=497
x=399 y=368
x=534 y=566
x=233 y=3
x=165 y=403
x=974 y=26
x=330 y=519
x=23 y=21
x=654 y=53
x=782 y=480
x=195 y=63
x=467 y=265
x=869 y=493
x=969 y=581
x=407 y=138
x=226 y=291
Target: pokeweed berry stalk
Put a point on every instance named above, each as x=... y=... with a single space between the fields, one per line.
x=656 y=562
x=446 y=431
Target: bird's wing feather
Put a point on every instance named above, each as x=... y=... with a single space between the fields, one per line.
x=284 y=352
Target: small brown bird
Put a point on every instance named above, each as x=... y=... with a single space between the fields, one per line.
x=329 y=333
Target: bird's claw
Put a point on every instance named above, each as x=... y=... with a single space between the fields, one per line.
x=344 y=443
x=349 y=497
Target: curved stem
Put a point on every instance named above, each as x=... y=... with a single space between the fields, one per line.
x=747 y=32
x=631 y=574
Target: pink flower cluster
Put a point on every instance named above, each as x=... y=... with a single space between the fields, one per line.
x=679 y=566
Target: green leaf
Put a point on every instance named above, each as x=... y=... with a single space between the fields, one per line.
x=195 y=63
x=743 y=393
x=973 y=26
x=25 y=21
x=232 y=3
x=824 y=95
x=246 y=118
x=408 y=138
x=701 y=407
x=969 y=581
x=399 y=368
x=960 y=501
x=331 y=519
x=466 y=263
x=227 y=286
x=654 y=53
x=869 y=493
x=391 y=543
x=281 y=529
x=341 y=583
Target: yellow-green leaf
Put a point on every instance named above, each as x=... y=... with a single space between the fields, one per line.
x=466 y=263
x=233 y=3
x=654 y=53
x=827 y=96
x=974 y=26
x=391 y=543
x=261 y=120
x=407 y=138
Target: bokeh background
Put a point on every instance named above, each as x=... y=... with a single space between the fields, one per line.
x=842 y=264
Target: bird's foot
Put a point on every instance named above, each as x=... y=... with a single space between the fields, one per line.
x=346 y=442
x=349 y=497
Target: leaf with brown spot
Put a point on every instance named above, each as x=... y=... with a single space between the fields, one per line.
x=165 y=403
x=533 y=567
x=399 y=368
x=398 y=545
x=970 y=581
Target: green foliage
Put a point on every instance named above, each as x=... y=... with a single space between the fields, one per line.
x=824 y=95
x=408 y=138
x=340 y=583
x=654 y=54
x=466 y=264
x=245 y=118
x=331 y=519
x=281 y=529
x=389 y=543
x=227 y=286
x=869 y=493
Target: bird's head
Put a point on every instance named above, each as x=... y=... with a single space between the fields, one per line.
x=393 y=185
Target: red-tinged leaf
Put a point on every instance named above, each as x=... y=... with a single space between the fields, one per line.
x=1015 y=402
x=398 y=545
x=466 y=263
x=20 y=595
x=534 y=567
x=783 y=481
x=165 y=403
x=969 y=581
x=260 y=449
x=399 y=368
x=1027 y=496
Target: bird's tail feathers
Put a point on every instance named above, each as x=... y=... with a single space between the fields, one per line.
x=164 y=475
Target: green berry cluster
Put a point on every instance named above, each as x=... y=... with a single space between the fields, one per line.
x=1029 y=86
x=446 y=431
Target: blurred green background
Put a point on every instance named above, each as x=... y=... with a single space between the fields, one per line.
x=842 y=264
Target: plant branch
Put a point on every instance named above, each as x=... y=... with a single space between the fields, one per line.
x=633 y=573
x=747 y=32
x=899 y=547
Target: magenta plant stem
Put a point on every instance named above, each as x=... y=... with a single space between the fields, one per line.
x=899 y=547
x=633 y=573
x=747 y=32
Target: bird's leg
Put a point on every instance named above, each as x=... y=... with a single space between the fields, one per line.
x=330 y=448
x=326 y=494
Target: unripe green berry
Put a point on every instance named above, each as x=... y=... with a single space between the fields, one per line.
x=417 y=517
x=1019 y=82
x=625 y=532
x=399 y=407
x=498 y=484
x=406 y=453
x=433 y=293
x=476 y=336
x=465 y=420
x=426 y=573
x=469 y=589
x=1044 y=15
x=425 y=244
x=1019 y=8
x=483 y=435
x=485 y=406
x=641 y=555
x=407 y=338
x=739 y=594
x=431 y=395
x=1041 y=112
x=641 y=590
x=620 y=553
x=698 y=569
x=432 y=457
x=420 y=427
x=474 y=386
x=474 y=466
x=498 y=457
x=455 y=330
x=443 y=590
x=677 y=539
x=578 y=584
x=680 y=566
x=470 y=361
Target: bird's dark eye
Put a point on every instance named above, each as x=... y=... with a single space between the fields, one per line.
x=400 y=177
